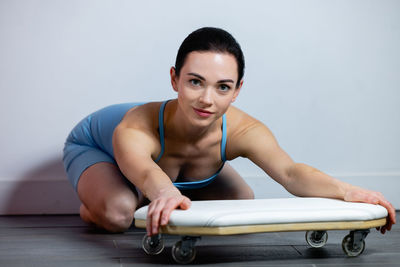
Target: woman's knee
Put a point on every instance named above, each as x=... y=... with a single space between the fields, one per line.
x=236 y=187
x=244 y=193
x=116 y=214
x=108 y=198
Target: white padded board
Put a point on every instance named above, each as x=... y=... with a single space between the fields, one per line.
x=220 y=213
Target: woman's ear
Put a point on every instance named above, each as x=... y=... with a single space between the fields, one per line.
x=237 y=91
x=172 y=73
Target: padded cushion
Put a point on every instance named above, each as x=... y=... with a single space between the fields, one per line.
x=219 y=213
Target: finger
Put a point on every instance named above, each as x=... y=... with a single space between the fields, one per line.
x=148 y=226
x=388 y=224
x=389 y=219
x=389 y=227
x=171 y=205
x=383 y=230
x=185 y=204
x=392 y=217
x=392 y=213
x=164 y=217
x=166 y=213
x=155 y=219
x=150 y=211
x=390 y=209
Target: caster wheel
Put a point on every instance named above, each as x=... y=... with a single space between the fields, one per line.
x=183 y=255
x=316 y=239
x=350 y=249
x=153 y=245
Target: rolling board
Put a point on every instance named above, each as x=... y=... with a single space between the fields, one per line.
x=232 y=217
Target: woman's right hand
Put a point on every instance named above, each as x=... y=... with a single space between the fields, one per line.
x=160 y=210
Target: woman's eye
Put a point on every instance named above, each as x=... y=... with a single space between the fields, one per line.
x=224 y=87
x=195 y=82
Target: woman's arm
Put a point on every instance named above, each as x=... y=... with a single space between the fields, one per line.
x=308 y=181
x=256 y=142
x=133 y=149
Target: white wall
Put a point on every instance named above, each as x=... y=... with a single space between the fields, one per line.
x=323 y=75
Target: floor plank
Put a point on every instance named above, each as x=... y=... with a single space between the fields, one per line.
x=67 y=241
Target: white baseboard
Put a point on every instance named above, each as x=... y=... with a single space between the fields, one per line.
x=58 y=197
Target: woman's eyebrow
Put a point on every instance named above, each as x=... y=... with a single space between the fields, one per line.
x=197 y=75
x=203 y=79
x=225 y=81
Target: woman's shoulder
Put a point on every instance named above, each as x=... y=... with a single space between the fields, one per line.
x=140 y=121
x=243 y=129
x=142 y=117
x=238 y=119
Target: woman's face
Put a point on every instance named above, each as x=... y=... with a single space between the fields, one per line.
x=206 y=85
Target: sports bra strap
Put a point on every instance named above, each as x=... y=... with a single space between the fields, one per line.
x=223 y=141
x=161 y=128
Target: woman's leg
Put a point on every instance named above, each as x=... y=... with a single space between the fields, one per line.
x=107 y=199
x=227 y=185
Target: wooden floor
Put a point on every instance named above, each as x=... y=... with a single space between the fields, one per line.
x=67 y=241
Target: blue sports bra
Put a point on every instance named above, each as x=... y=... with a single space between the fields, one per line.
x=195 y=184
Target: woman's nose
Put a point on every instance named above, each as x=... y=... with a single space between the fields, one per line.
x=206 y=96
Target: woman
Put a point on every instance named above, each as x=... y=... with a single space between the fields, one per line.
x=124 y=156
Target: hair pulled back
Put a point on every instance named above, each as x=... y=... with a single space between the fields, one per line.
x=214 y=40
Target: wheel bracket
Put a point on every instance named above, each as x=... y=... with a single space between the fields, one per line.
x=188 y=242
x=358 y=236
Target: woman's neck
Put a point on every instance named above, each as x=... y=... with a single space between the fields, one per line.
x=177 y=126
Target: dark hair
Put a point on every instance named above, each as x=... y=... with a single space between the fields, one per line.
x=210 y=39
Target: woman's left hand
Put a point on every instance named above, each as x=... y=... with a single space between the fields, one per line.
x=356 y=194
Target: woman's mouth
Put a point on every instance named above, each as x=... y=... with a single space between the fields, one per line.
x=202 y=113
